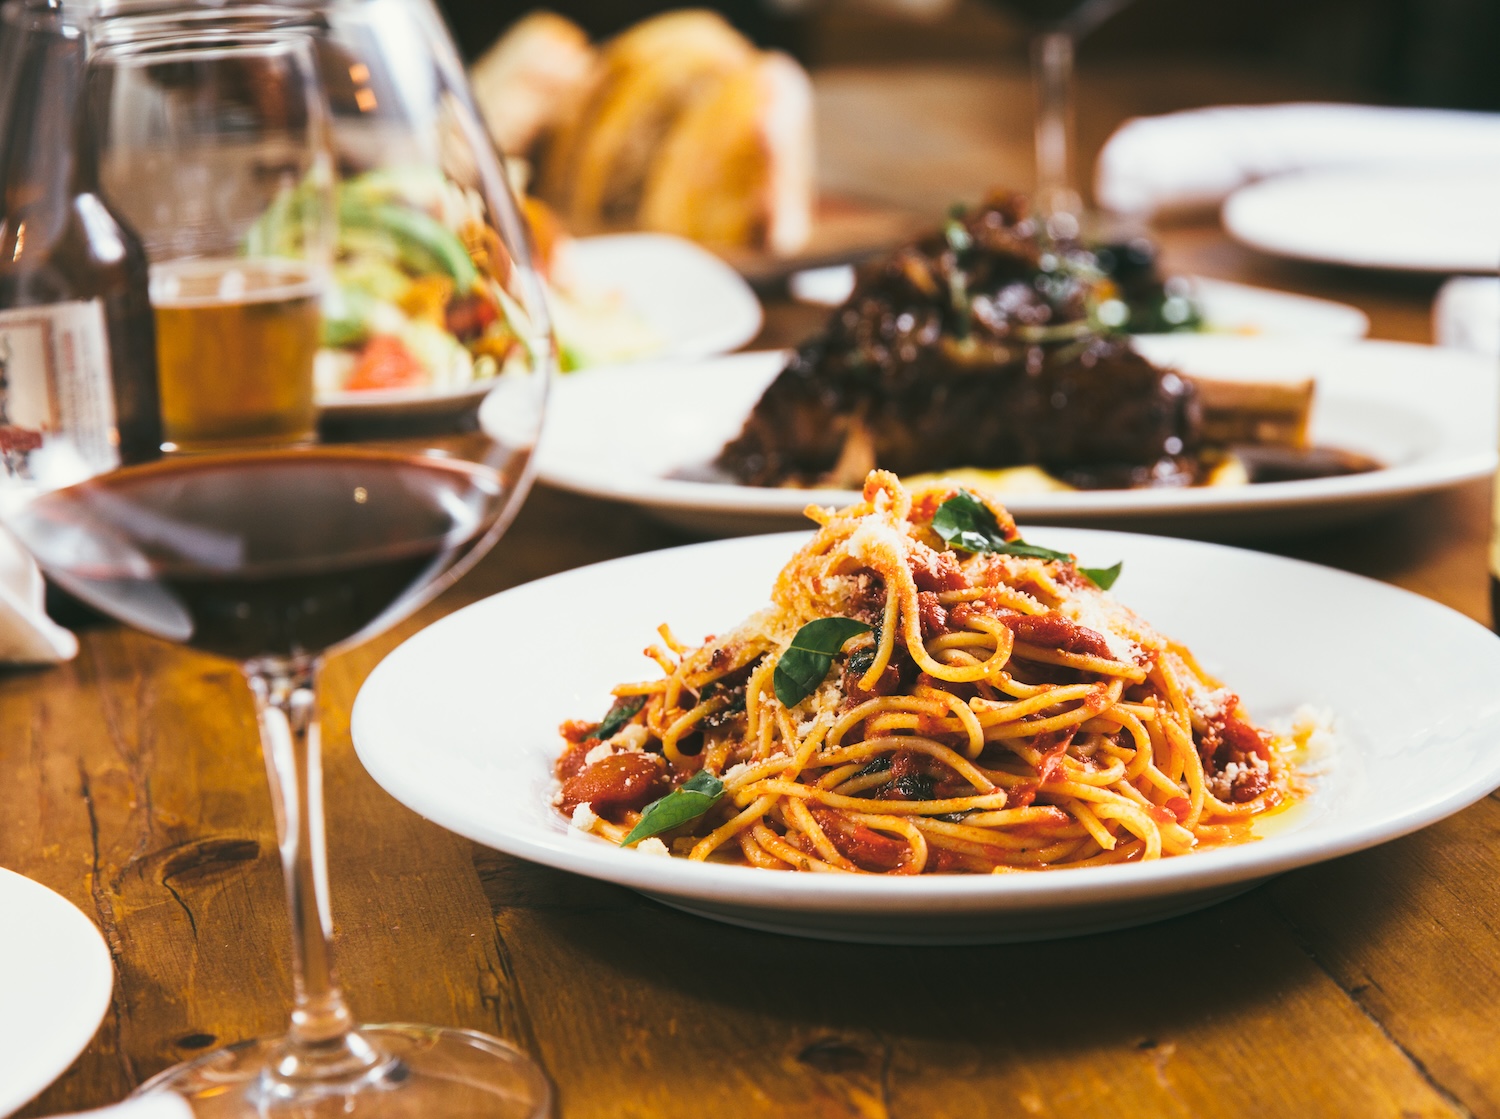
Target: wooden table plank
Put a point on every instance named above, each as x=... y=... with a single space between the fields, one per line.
x=1409 y=931
x=1206 y=1014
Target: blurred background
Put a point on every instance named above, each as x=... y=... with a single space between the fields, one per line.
x=1438 y=53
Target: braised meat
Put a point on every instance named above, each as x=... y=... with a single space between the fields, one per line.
x=973 y=347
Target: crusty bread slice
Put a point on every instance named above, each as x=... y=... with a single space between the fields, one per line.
x=736 y=166
x=523 y=83
x=595 y=167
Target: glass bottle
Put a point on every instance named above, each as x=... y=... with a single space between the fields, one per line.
x=78 y=389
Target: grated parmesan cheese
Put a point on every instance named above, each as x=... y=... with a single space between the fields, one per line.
x=875 y=540
x=599 y=753
x=631 y=739
x=584 y=818
x=1102 y=615
x=1209 y=705
x=1313 y=728
x=1222 y=783
x=839 y=588
x=653 y=846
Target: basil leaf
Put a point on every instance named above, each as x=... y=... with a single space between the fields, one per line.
x=861 y=660
x=1102 y=577
x=622 y=712
x=688 y=801
x=967 y=524
x=810 y=655
x=1033 y=551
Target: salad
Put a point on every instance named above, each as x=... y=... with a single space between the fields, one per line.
x=418 y=298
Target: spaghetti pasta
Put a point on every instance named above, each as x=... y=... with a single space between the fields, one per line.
x=994 y=710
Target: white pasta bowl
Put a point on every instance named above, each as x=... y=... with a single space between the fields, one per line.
x=460 y=724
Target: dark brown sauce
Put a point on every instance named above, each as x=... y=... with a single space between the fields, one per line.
x=1280 y=464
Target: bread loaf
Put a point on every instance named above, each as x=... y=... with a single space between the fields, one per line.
x=678 y=125
x=526 y=82
x=736 y=168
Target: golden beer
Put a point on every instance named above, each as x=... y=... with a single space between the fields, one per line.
x=235 y=344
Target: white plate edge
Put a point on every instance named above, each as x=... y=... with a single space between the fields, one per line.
x=957 y=893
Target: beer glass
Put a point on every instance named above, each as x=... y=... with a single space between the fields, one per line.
x=216 y=151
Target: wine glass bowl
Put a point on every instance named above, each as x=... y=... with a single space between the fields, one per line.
x=260 y=555
x=293 y=233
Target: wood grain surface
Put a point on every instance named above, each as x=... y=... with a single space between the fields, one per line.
x=130 y=782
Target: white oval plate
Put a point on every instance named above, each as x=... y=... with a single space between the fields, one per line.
x=1432 y=220
x=55 y=980
x=629 y=435
x=1233 y=308
x=689 y=298
x=695 y=302
x=460 y=724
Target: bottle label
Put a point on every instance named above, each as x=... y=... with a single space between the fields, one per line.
x=57 y=409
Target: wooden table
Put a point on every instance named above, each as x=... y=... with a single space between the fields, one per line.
x=130 y=782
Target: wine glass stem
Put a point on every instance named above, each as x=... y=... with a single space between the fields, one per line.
x=321 y=1045
x=1052 y=81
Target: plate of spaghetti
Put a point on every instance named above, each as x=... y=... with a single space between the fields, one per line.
x=937 y=730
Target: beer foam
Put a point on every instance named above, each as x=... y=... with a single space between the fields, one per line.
x=221 y=281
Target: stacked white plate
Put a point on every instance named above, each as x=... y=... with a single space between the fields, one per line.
x=1429 y=220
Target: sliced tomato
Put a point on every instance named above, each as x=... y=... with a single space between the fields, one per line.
x=385 y=363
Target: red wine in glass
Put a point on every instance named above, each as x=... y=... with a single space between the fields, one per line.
x=253 y=556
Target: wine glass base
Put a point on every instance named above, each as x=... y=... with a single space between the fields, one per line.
x=426 y=1071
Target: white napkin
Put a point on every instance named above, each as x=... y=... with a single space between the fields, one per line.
x=1466 y=314
x=1194 y=159
x=158 y=1105
x=27 y=635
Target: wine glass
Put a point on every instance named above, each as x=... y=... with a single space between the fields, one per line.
x=277 y=547
x=1055 y=27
